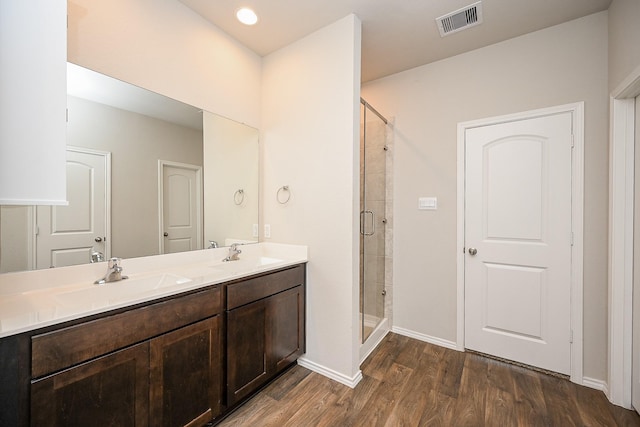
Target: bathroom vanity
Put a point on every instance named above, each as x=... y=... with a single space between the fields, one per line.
x=172 y=358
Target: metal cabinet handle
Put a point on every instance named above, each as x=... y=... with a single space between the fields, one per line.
x=166 y=234
x=473 y=251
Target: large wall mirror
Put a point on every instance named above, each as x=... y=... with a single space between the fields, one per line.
x=146 y=175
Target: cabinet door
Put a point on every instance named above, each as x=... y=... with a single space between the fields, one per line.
x=246 y=350
x=285 y=315
x=111 y=390
x=186 y=374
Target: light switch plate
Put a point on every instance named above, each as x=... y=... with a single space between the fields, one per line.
x=267 y=231
x=427 y=203
x=255 y=230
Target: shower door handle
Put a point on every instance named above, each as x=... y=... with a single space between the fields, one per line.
x=363 y=221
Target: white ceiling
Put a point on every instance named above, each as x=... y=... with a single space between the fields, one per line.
x=396 y=34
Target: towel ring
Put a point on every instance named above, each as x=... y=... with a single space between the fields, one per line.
x=280 y=198
x=238 y=197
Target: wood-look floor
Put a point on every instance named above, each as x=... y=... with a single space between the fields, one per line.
x=411 y=383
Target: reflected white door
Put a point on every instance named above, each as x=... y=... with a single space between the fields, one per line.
x=66 y=235
x=181 y=213
x=518 y=241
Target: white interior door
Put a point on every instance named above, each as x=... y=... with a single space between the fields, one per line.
x=181 y=209
x=518 y=241
x=635 y=384
x=66 y=235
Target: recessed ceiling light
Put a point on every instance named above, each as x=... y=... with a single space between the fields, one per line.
x=247 y=16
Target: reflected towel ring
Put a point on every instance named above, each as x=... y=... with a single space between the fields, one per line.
x=280 y=198
x=238 y=197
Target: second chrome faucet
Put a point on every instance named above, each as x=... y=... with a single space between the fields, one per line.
x=233 y=253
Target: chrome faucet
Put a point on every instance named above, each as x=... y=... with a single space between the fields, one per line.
x=96 y=256
x=114 y=272
x=233 y=253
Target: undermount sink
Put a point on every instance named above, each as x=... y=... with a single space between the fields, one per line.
x=245 y=264
x=115 y=292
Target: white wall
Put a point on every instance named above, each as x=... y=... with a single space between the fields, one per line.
x=167 y=48
x=624 y=34
x=310 y=128
x=562 y=64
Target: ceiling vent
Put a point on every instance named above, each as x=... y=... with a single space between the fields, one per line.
x=461 y=19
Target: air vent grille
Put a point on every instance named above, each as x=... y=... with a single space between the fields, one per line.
x=460 y=20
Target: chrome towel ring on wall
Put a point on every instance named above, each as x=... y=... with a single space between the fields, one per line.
x=283 y=195
x=238 y=197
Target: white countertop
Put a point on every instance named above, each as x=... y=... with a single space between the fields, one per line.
x=33 y=299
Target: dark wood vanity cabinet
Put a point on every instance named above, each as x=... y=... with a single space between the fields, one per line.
x=172 y=380
x=168 y=374
x=159 y=364
x=265 y=329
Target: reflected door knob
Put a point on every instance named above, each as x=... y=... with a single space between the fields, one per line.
x=166 y=234
x=98 y=239
x=473 y=251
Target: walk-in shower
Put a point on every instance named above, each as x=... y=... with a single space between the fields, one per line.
x=374 y=212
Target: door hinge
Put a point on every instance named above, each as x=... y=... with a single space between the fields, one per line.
x=571 y=336
x=37 y=230
x=463 y=250
x=67 y=115
x=572 y=140
x=572 y=238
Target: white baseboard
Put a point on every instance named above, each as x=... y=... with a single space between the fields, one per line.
x=426 y=338
x=596 y=384
x=330 y=373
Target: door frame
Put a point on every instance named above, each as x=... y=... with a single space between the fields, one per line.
x=199 y=228
x=577 y=208
x=621 y=214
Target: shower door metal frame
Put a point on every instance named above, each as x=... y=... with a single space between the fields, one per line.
x=368 y=228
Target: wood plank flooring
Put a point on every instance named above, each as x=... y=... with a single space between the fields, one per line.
x=407 y=382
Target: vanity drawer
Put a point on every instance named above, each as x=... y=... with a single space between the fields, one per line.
x=66 y=347
x=242 y=293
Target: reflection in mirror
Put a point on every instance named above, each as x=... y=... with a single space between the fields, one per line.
x=141 y=180
x=231 y=181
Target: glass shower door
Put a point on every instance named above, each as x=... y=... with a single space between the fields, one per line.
x=372 y=220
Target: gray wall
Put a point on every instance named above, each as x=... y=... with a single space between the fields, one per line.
x=624 y=34
x=562 y=64
x=15 y=238
x=136 y=142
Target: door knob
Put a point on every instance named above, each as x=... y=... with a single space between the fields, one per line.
x=473 y=251
x=166 y=234
x=98 y=239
